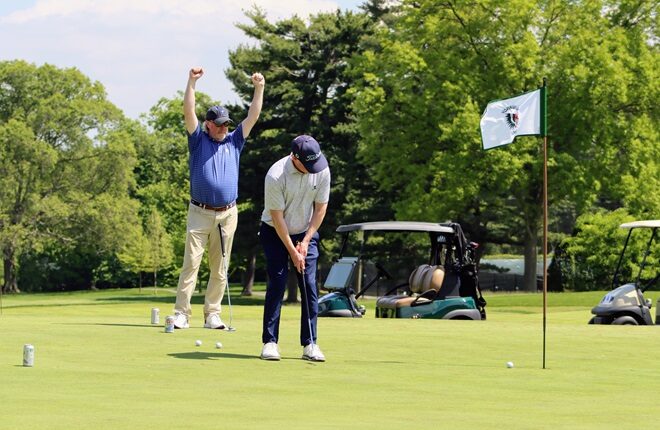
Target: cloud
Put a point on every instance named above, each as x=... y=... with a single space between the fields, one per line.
x=45 y=9
x=140 y=50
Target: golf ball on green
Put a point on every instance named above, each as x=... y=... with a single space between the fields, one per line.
x=198 y=343
x=509 y=364
x=218 y=345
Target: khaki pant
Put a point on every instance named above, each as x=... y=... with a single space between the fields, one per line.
x=202 y=229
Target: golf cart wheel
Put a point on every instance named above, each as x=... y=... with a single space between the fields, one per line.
x=625 y=320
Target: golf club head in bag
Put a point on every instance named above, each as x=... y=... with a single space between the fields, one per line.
x=228 y=328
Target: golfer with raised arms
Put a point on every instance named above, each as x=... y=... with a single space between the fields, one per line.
x=214 y=154
x=297 y=190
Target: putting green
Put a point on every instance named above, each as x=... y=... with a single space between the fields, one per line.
x=99 y=363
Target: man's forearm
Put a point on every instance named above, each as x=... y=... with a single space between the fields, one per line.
x=189 y=97
x=189 y=117
x=257 y=102
x=254 y=111
x=316 y=221
x=283 y=232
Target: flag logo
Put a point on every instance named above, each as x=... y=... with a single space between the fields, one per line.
x=512 y=117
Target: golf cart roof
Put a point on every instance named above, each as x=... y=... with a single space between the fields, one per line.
x=653 y=223
x=410 y=226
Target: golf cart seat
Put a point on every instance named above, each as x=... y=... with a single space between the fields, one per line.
x=434 y=292
x=425 y=283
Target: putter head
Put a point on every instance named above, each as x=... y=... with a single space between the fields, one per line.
x=230 y=329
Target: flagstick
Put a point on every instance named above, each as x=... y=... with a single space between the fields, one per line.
x=499 y=112
x=545 y=238
x=544 y=133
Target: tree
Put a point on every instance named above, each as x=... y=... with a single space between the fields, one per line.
x=65 y=166
x=133 y=256
x=306 y=65
x=592 y=254
x=24 y=167
x=439 y=64
x=160 y=247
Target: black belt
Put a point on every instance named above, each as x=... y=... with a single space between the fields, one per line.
x=213 y=208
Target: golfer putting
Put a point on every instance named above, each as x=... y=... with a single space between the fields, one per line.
x=296 y=195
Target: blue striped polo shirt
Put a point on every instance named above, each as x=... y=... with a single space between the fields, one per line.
x=214 y=166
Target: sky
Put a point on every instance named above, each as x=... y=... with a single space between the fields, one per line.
x=141 y=50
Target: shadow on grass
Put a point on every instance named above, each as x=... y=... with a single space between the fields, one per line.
x=52 y=305
x=115 y=324
x=518 y=311
x=376 y=361
x=200 y=355
x=127 y=325
x=195 y=300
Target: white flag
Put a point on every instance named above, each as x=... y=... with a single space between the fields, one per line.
x=504 y=120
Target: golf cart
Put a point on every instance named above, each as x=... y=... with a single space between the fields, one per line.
x=443 y=285
x=625 y=304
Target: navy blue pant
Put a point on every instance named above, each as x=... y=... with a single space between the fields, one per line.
x=277 y=267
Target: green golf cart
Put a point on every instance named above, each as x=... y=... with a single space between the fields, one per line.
x=443 y=284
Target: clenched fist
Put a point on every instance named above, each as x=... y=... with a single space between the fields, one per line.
x=258 y=79
x=196 y=73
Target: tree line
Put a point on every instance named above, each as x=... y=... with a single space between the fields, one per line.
x=394 y=93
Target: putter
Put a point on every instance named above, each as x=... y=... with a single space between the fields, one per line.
x=309 y=320
x=229 y=328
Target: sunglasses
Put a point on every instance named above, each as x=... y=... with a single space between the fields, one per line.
x=224 y=124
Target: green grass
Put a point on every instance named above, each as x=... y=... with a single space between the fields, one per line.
x=99 y=363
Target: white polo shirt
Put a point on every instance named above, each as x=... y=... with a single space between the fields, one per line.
x=286 y=189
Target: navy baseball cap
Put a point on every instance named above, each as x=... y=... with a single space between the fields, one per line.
x=218 y=115
x=308 y=151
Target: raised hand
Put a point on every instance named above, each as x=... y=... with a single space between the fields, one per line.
x=258 y=79
x=196 y=73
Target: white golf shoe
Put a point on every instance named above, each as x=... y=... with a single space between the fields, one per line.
x=270 y=351
x=213 y=321
x=312 y=352
x=180 y=320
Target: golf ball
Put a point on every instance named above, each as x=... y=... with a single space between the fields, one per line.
x=509 y=364
x=218 y=345
x=198 y=343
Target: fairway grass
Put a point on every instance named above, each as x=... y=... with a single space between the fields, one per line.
x=100 y=364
